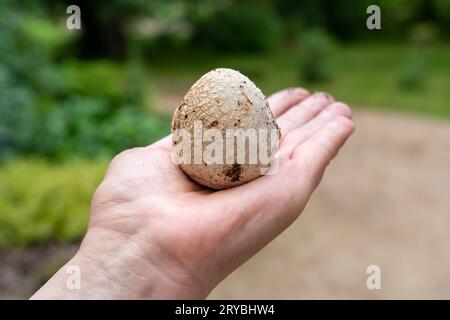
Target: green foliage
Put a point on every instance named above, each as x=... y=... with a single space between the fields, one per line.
x=347 y=20
x=58 y=108
x=412 y=73
x=314 y=52
x=441 y=9
x=342 y=19
x=424 y=34
x=98 y=78
x=402 y=11
x=241 y=27
x=158 y=46
x=41 y=202
x=83 y=126
x=43 y=32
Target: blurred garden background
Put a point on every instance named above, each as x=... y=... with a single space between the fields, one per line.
x=71 y=99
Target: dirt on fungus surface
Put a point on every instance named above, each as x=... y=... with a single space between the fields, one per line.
x=385 y=200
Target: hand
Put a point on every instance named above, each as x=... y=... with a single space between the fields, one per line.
x=154 y=233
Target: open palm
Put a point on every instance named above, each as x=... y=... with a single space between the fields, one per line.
x=196 y=236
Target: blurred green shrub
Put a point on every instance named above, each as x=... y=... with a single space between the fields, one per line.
x=241 y=27
x=56 y=108
x=97 y=78
x=424 y=34
x=314 y=51
x=441 y=9
x=128 y=128
x=43 y=32
x=412 y=73
x=42 y=202
x=346 y=19
x=162 y=44
x=79 y=125
x=401 y=11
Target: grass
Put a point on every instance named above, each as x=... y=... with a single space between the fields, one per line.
x=365 y=75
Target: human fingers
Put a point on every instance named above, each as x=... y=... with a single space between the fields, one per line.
x=303 y=111
x=299 y=135
x=282 y=100
x=314 y=155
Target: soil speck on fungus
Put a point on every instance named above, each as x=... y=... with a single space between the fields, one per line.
x=234 y=172
x=176 y=124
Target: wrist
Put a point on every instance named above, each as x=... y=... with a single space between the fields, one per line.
x=109 y=266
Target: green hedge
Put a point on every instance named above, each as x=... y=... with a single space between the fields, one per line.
x=42 y=202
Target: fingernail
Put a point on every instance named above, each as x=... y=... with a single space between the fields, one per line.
x=341 y=123
x=297 y=91
x=324 y=95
